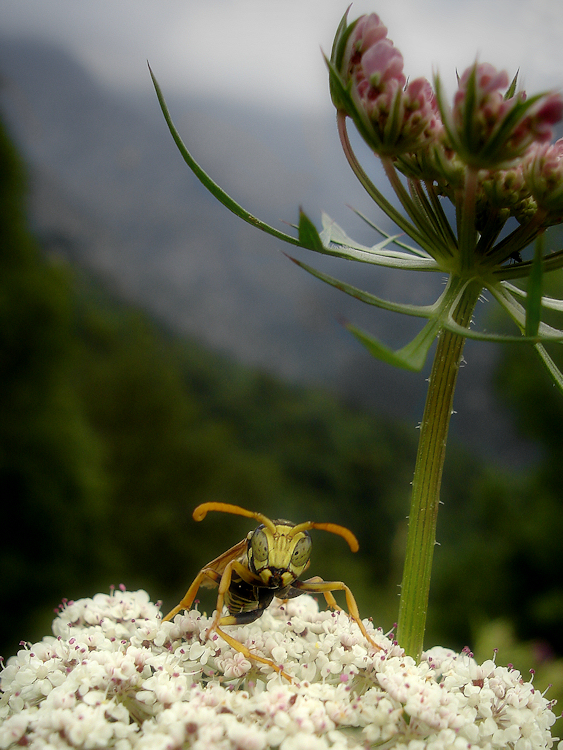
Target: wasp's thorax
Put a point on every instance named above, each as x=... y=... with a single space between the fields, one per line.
x=279 y=553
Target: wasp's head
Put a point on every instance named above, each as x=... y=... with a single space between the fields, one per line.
x=278 y=553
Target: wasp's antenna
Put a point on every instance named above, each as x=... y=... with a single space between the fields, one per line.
x=334 y=528
x=202 y=510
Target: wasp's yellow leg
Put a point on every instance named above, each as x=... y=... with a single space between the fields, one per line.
x=188 y=599
x=316 y=586
x=330 y=600
x=224 y=585
x=241 y=648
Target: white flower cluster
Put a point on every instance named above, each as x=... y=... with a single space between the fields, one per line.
x=115 y=676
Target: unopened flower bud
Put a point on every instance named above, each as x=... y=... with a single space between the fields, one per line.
x=547 y=112
x=393 y=117
x=543 y=172
x=507 y=189
x=435 y=162
x=381 y=64
x=490 y=128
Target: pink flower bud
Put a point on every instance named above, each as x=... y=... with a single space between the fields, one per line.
x=400 y=119
x=543 y=171
x=367 y=31
x=489 y=80
x=546 y=113
x=490 y=130
x=383 y=62
x=479 y=104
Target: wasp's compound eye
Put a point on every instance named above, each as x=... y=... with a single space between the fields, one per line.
x=301 y=551
x=259 y=546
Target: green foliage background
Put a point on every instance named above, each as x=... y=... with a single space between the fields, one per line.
x=112 y=430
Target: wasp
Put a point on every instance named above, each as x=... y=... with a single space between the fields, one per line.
x=267 y=563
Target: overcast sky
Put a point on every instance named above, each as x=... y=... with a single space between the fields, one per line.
x=269 y=50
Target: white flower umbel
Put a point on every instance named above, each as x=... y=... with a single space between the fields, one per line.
x=115 y=676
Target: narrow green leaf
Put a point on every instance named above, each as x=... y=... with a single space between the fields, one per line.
x=469 y=109
x=518 y=314
x=548 y=302
x=332 y=232
x=337 y=54
x=552 y=368
x=554 y=337
x=377 y=254
x=418 y=311
x=446 y=113
x=534 y=296
x=512 y=118
x=411 y=357
x=512 y=88
x=373 y=225
x=553 y=261
x=212 y=186
x=308 y=234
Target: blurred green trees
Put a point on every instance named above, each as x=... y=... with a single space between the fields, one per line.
x=49 y=454
x=534 y=512
x=113 y=430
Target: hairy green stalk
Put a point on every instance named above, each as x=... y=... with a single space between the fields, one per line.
x=425 y=499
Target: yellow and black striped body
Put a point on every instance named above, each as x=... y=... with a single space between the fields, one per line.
x=275 y=558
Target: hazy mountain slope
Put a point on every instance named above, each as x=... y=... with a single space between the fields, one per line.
x=110 y=188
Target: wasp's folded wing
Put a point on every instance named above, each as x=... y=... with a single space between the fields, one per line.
x=221 y=562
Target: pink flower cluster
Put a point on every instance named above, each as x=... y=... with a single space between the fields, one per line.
x=489 y=126
x=494 y=128
x=490 y=105
x=402 y=116
x=537 y=125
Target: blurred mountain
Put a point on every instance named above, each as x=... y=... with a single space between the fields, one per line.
x=111 y=192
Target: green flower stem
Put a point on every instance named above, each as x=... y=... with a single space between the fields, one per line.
x=425 y=500
x=466 y=230
x=440 y=250
x=520 y=238
x=372 y=191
